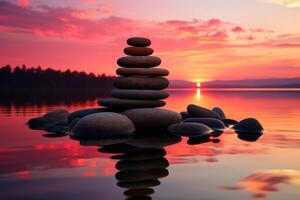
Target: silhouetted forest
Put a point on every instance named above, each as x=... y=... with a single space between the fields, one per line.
x=38 y=78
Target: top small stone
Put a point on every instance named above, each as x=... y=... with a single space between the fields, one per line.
x=139 y=42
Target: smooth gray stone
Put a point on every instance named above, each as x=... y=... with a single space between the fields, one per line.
x=219 y=111
x=139 y=192
x=49 y=120
x=249 y=125
x=85 y=112
x=197 y=111
x=152 y=118
x=158 y=163
x=103 y=125
x=142 y=72
x=212 y=123
x=139 y=42
x=185 y=115
x=148 y=83
x=138 y=184
x=139 y=94
x=139 y=61
x=190 y=129
x=138 y=51
x=139 y=175
x=130 y=103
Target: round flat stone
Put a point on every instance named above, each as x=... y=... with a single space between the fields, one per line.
x=128 y=103
x=103 y=125
x=248 y=125
x=149 y=118
x=197 y=111
x=139 y=61
x=220 y=112
x=138 y=51
x=189 y=129
x=212 y=123
x=139 y=94
x=151 y=83
x=139 y=42
x=142 y=72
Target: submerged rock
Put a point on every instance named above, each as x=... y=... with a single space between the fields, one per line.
x=85 y=112
x=212 y=123
x=103 y=125
x=190 y=129
x=152 y=118
x=49 y=120
x=248 y=125
x=197 y=111
x=219 y=111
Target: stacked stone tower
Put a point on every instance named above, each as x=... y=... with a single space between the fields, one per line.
x=140 y=83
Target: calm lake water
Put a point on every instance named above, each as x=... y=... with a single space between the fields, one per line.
x=34 y=165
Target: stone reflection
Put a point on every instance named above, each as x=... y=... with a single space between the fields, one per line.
x=141 y=161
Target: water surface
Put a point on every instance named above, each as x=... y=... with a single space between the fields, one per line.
x=34 y=165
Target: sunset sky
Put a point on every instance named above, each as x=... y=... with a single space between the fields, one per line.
x=198 y=40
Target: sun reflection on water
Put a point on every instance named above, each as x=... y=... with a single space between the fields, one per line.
x=198 y=94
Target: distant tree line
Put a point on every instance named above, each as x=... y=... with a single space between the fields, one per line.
x=38 y=78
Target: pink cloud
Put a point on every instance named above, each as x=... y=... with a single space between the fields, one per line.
x=237 y=29
x=23 y=3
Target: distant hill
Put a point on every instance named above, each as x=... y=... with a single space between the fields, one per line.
x=246 y=83
x=254 y=83
x=181 y=84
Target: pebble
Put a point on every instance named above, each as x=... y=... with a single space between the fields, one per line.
x=139 y=94
x=152 y=118
x=139 y=42
x=197 y=111
x=219 y=111
x=142 y=71
x=249 y=125
x=151 y=83
x=138 y=51
x=129 y=103
x=212 y=123
x=139 y=61
x=103 y=125
x=190 y=129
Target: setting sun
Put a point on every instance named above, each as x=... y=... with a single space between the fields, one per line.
x=198 y=84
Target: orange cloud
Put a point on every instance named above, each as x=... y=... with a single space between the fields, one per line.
x=262 y=183
x=288 y=3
